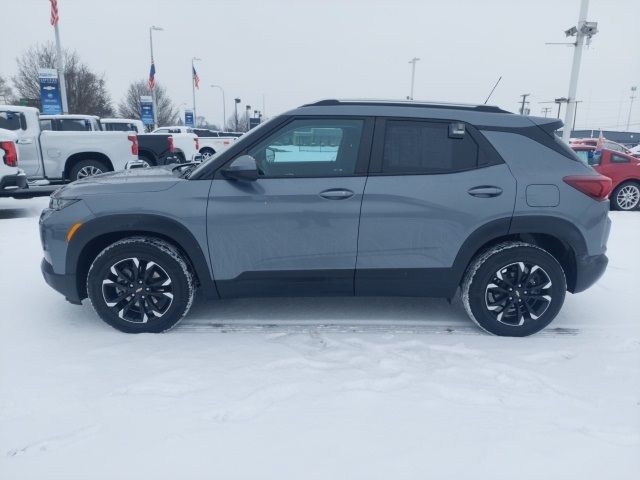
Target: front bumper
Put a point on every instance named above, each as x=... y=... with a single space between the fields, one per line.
x=64 y=284
x=589 y=269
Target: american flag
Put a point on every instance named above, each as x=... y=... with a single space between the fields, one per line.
x=54 y=12
x=196 y=78
x=152 y=76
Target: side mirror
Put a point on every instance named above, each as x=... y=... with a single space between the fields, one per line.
x=243 y=168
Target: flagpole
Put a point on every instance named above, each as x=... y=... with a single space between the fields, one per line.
x=61 y=80
x=153 y=90
x=193 y=89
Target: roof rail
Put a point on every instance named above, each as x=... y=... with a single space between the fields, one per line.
x=408 y=103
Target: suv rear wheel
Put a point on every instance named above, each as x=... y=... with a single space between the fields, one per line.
x=513 y=289
x=140 y=284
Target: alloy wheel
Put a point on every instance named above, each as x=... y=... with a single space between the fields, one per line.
x=137 y=290
x=88 y=171
x=518 y=292
x=628 y=197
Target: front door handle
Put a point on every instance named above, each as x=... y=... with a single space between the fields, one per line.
x=336 y=194
x=485 y=191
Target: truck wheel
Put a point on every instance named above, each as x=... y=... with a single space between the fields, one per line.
x=626 y=196
x=514 y=289
x=87 y=168
x=148 y=161
x=140 y=284
x=207 y=153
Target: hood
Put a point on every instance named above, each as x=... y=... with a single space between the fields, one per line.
x=137 y=180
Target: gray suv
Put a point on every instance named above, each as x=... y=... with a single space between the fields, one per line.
x=363 y=198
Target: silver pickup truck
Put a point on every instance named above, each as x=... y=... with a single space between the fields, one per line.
x=55 y=156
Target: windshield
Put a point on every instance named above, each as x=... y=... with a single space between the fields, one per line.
x=249 y=134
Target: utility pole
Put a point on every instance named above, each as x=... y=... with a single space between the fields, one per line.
x=193 y=88
x=633 y=95
x=546 y=111
x=153 y=90
x=584 y=30
x=575 y=114
x=524 y=101
x=413 y=74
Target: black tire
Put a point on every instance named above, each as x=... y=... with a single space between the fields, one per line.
x=537 y=282
x=87 y=168
x=150 y=161
x=626 y=196
x=140 y=284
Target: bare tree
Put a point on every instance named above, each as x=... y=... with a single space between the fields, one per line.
x=129 y=106
x=6 y=93
x=243 y=122
x=86 y=90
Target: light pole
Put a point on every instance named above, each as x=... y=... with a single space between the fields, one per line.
x=224 y=106
x=237 y=101
x=524 y=102
x=248 y=116
x=413 y=74
x=193 y=87
x=584 y=30
x=153 y=90
x=633 y=95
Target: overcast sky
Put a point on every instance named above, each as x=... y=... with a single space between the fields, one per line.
x=296 y=51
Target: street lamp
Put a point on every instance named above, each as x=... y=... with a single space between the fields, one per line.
x=193 y=87
x=153 y=90
x=224 y=108
x=248 y=116
x=237 y=101
x=633 y=95
x=413 y=74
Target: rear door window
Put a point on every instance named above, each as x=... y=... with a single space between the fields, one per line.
x=423 y=147
x=12 y=120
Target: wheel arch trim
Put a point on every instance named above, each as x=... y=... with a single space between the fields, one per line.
x=110 y=228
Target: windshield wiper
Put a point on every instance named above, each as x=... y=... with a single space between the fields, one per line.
x=189 y=166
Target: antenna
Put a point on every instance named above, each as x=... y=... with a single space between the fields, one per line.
x=491 y=92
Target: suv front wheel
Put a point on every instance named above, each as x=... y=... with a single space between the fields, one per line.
x=513 y=289
x=140 y=284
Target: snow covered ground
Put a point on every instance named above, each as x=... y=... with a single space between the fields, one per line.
x=316 y=388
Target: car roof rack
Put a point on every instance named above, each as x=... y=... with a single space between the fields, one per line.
x=407 y=103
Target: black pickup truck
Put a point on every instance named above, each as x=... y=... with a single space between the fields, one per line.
x=157 y=149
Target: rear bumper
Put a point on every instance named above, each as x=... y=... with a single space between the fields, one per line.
x=64 y=284
x=9 y=184
x=589 y=269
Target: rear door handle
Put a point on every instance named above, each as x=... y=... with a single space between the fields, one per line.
x=336 y=194
x=485 y=191
x=24 y=141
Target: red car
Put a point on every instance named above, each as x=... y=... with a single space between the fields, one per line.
x=621 y=168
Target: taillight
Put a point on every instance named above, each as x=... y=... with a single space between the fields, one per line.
x=595 y=186
x=172 y=147
x=197 y=144
x=10 y=156
x=134 y=144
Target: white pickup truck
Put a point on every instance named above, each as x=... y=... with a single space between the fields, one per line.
x=55 y=156
x=210 y=141
x=185 y=144
x=12 y=179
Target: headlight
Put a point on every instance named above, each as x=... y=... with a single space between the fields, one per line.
x=60 y=203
